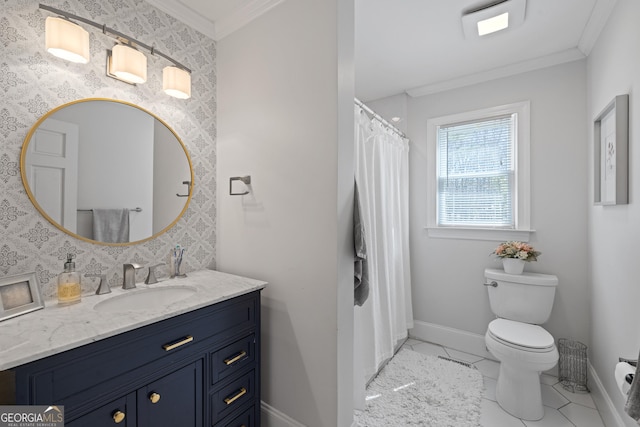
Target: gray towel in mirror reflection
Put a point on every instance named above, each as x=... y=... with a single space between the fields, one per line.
x=111 y=225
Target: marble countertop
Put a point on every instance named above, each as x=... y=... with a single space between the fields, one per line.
x=55 y=329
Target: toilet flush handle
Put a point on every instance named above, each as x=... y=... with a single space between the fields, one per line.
x=492 y=284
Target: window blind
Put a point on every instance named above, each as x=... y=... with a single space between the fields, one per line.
x=476 y=173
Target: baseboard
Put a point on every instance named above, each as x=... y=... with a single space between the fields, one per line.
x=271 y=417
x=456 y=339
x=603 y=401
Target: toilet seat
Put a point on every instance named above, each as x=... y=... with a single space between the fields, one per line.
x=521 y=336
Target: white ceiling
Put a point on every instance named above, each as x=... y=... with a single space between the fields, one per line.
x=418 y=46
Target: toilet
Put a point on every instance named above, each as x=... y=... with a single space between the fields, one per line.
x=521 y=303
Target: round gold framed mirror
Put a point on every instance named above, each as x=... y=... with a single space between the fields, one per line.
x=106 y=171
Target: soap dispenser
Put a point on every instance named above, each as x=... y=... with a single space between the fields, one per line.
x=69 y=288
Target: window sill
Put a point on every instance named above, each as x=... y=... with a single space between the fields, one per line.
x=490 y=234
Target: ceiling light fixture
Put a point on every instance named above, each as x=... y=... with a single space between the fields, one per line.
x=125 y=62
x=492 y=25
x=493 y=17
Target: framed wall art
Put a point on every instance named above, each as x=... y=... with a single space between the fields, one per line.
x=19 y=294
x=610 y=153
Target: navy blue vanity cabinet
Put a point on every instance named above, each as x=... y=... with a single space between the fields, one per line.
x=201 y=368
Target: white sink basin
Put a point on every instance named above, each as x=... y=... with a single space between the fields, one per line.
x=145 y=299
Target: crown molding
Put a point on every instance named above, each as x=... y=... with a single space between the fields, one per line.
x=242 y=16
x=557 y=58
x=186 y=15
x=598 y=19
x=224 y=25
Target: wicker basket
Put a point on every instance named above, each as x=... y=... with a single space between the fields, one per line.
x=572 y=365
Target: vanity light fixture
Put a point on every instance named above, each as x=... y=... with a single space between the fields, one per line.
x=127 y=64
x=176 y=82
x=493 y=17
x=66 y=40
x=125 y=61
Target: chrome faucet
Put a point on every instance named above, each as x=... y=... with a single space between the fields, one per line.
x=129 y=275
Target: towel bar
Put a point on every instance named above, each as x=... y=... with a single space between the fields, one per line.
x=91 y=210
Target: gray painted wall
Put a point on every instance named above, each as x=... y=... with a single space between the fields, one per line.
x=447 y=275
x=614 y=69
x=286 y=119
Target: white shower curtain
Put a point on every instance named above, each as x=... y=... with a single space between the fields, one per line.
x=382 y=176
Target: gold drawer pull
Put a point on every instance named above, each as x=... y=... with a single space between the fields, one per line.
x=154 y=397
x=230 y=400
x=118 y=417
x=176 y=344
x=233 y=360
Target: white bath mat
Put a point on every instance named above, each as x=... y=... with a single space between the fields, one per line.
x=414 y=389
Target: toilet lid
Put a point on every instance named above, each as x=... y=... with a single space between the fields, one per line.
x=521 y=334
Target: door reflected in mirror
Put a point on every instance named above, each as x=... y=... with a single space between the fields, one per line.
x=106 y=171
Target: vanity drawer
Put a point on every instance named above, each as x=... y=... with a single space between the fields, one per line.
x=124 y=358
x=247 y=418
x=233 y=358
x=232 y=396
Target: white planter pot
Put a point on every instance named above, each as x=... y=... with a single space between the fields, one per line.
x=513 y=265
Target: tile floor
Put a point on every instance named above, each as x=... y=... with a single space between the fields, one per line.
x=561 y=407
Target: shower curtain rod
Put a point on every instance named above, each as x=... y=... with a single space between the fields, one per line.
x=379 y=118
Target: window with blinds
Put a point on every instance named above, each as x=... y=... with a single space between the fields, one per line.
x=476 y=176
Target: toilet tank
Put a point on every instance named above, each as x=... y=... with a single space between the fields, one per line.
x=526 y=297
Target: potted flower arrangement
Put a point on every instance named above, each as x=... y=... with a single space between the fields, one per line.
x=514 y=255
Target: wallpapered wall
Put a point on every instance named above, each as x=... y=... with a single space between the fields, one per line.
x=32 y=82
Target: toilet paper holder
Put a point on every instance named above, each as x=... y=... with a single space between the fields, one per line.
x=629 y=377
x=629 y=361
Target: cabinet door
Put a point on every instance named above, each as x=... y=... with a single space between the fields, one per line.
x=174 y=400
x=121 y=412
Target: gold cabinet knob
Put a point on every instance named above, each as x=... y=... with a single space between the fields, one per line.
x=118 y=417
x=154 y=397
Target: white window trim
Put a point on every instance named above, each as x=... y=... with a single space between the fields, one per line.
x=522 y=231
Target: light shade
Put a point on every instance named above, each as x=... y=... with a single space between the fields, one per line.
x=176 y=82
x=490 y=19
x=66 y=40
x=128 y=64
